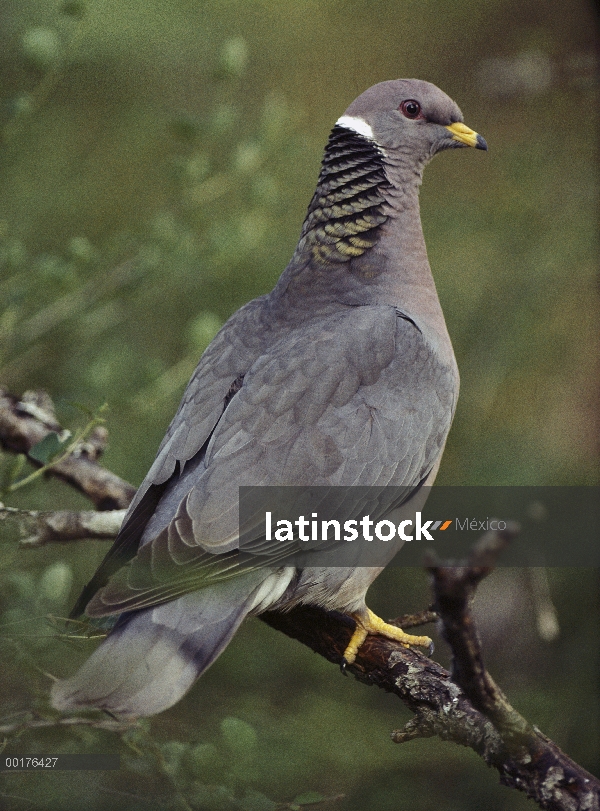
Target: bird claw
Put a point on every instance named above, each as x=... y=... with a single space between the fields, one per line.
x=430 y=649
x=343 y=665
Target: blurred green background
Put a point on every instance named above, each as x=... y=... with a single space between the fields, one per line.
x=156 y=162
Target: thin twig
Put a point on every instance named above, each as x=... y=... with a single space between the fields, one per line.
x=26 y=421
x=414 y=620
x=34 y=722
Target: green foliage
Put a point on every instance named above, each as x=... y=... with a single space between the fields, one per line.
x=157 y=159
x=309 y=798
x=50 y=451
x=56 y=582
x=49 y=446
x=42 y=47
x=240 y=738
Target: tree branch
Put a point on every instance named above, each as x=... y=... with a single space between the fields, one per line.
x=466 y=707
x=454 y=588
x=60 y=526
x=537 y=767
x=27 y=420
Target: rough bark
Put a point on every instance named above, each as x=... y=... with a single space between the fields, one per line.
x=61 y=526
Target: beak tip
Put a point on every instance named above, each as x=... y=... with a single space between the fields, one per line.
x=481 y=143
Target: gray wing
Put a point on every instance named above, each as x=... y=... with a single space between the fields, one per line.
x=217 y=376
x=228 y=357
x=355 y=398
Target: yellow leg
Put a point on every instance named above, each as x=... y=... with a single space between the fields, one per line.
x=369 y=623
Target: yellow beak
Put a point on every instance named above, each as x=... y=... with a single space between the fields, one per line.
x=468 y=137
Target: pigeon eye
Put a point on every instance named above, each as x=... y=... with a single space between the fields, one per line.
x=410 y=108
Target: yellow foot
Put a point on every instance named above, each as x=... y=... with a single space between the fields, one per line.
x=369 y=623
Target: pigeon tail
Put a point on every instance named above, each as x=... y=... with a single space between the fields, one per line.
x=152 y=657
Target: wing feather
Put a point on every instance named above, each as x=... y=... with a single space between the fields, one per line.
x=356 y=398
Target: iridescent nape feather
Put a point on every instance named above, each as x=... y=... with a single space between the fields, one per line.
x=346 y=212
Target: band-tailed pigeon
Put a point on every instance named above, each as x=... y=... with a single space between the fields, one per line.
x=343 y=375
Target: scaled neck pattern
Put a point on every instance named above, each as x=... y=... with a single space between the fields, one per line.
x=362 y=241
x=345 y=216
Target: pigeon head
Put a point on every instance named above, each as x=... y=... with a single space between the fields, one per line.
x=410 y=116
x=373 y=166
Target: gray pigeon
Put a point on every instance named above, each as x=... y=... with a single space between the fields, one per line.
x=343 y=375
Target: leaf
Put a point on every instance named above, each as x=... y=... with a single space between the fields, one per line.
x=239 y=736
x=41 y=46
x=255 y=801
x=201 y=758
x=48 y=447
x=173 y=753
x=308 y=798
x=211 y=797
x=55 y=583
